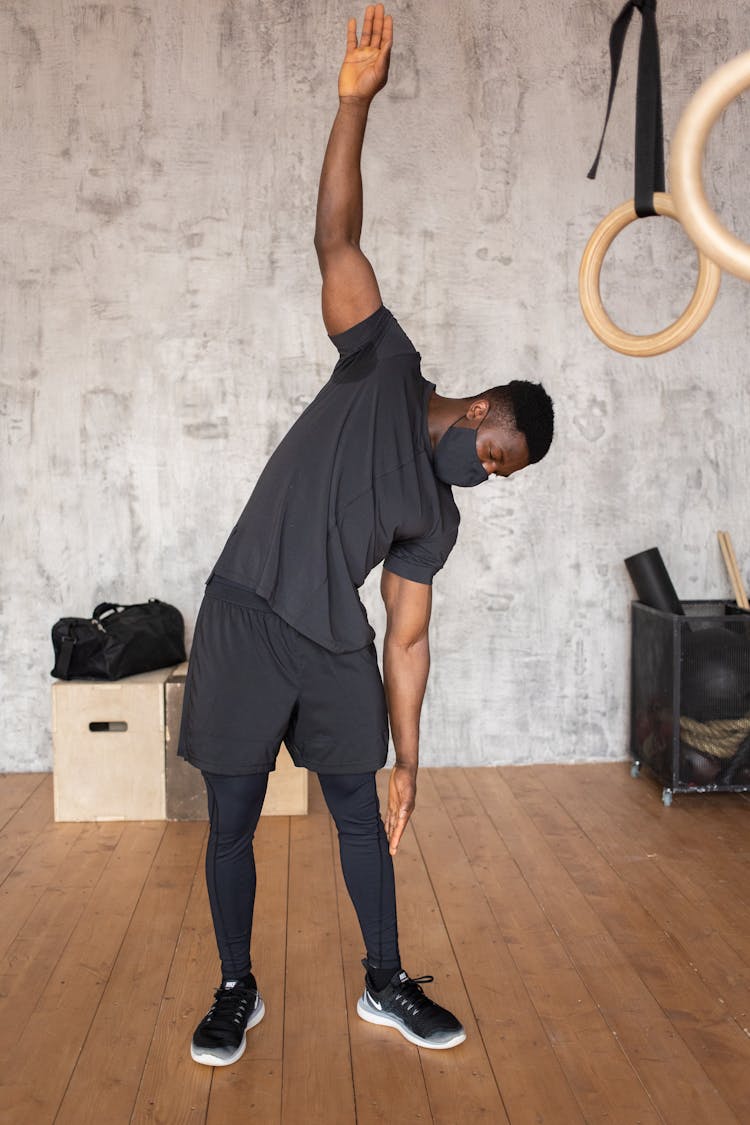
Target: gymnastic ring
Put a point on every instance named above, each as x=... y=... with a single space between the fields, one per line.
x=686 y=161
x=707 y=286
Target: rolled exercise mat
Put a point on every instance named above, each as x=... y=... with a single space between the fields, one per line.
x=652 y=582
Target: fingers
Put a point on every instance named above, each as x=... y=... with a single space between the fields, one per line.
x=351 y=36
x=396 y=820
x=377 y=26
x=387 y=40
x=365 y=37
x=394 y=838
x=401 y=795
x=377 y=29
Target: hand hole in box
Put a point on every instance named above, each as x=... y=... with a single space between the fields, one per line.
x=114 y=726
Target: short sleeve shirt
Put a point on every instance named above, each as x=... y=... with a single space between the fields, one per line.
x=350 y=486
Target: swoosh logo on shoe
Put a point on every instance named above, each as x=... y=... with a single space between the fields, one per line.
x=375 y=1003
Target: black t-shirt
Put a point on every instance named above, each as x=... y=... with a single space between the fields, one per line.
x=350 y=485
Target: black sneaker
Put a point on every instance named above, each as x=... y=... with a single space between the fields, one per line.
x=402 y=1004
x=219 y=1039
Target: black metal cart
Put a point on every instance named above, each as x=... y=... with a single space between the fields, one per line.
x=690 y=697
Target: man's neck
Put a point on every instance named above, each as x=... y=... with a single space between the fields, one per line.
x=442 y=413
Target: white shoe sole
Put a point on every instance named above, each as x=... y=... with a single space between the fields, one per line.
x=365 y=1012
x=204 y=1055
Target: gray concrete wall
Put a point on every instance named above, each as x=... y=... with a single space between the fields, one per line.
x=159 y=311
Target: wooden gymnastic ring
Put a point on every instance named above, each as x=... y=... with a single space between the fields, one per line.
x=686 y=161
x=707 y=286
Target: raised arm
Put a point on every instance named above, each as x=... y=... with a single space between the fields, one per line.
x=406 y=666
x=350 y=288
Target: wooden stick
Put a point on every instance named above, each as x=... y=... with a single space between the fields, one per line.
x=730 y=561
x=739 y=591
x=742 y=601
x=727 y=562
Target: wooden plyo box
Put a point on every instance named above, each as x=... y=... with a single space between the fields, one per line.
x=115 y=754
x=108 y=741
x=185 y=790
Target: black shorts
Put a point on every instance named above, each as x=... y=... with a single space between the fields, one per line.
x=253 y=681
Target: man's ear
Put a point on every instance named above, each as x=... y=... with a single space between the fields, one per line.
x=478 y=410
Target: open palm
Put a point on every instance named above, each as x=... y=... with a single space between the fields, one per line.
x=364 y=70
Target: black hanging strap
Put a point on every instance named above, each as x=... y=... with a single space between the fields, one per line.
x=66 y=655
x=649 y=127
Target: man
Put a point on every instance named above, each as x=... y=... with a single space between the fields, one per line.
x=283 y=648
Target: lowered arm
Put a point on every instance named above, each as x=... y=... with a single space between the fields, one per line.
x=406 y=666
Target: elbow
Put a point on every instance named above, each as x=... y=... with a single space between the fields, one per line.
x=408 y=644
x=323 y=236
x=323 y=249
x=329 y=241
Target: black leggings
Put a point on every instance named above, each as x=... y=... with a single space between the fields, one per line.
x=234 y=806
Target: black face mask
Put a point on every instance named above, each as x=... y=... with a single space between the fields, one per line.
x=456 y=461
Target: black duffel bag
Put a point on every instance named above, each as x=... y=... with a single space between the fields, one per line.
x=118 y=640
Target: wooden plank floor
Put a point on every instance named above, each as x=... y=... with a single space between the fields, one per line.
x=595 y=944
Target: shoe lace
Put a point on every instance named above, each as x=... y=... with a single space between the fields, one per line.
x=411 y=996
x=228 y=1009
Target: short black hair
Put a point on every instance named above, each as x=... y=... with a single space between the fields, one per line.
x=529 y=408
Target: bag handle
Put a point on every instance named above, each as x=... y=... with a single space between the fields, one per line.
x=105 y=607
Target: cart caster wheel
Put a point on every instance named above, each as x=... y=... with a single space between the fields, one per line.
x=635 y=769
x=666 y=796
